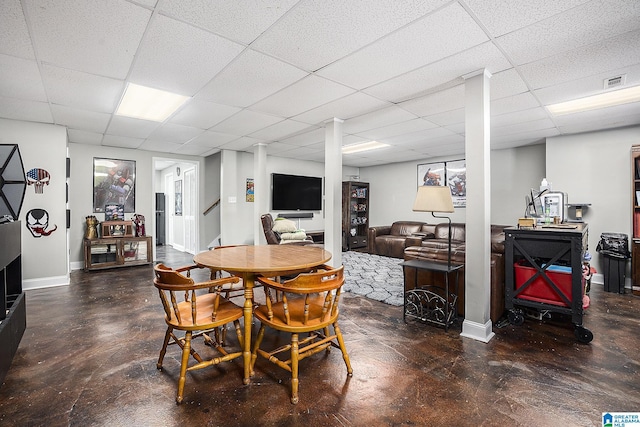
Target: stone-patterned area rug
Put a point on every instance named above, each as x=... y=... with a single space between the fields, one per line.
x=373 y=276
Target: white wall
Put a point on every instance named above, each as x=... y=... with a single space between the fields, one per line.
x=81 y=189
x=44 y=259
x=596 y=168
x=513 y=172
x=237 y=218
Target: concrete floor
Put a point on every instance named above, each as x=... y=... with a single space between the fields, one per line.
x=88 y=358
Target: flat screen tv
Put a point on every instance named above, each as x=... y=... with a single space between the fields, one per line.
x=295 y=193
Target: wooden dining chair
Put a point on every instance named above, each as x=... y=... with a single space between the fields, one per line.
x=306 y=304
x=195 y=314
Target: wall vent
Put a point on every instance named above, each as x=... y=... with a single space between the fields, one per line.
x=613 y=82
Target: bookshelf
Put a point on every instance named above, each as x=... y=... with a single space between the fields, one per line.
x=355 y=214
x=635 y=202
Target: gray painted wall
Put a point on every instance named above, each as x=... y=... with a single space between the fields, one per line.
x=596 y=168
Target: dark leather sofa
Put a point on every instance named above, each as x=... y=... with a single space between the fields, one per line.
x=436 y=249
x=273 y=238
x=392 y=240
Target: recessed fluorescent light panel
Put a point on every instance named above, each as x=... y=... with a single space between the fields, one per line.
x=145 y=103
x=608 y=99
x=363 y=146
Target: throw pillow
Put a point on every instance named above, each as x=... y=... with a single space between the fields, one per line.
x=283 y=225
x=297 y=235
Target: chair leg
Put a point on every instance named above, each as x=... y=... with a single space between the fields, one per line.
x=256 y=346
x=326 y=334
x=186 y=350
x=294 y=368
x=163 y=350
x=343 y=348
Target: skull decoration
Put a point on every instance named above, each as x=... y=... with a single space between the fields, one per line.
x=38 y=178
x=38 y=222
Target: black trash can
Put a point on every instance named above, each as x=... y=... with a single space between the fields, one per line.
x=615 y=250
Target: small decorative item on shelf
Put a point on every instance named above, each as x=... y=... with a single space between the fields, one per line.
x=92 y=227
x=117 y=229
x=138 y=221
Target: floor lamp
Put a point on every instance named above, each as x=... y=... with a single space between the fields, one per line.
x=435 y=198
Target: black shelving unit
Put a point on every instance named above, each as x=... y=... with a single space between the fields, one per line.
x=537 y=250
x=13 y=314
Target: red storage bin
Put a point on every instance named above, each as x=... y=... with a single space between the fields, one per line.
x=540 y=290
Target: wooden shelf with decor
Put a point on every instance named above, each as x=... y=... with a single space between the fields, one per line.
x=355 y=214
x=112 y=252
x=635 y=202
x=116 y=229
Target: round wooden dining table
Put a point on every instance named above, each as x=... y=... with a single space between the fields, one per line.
x=267 y=260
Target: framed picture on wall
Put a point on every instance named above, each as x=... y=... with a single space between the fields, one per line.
x=114 y=182
x=457 y=182
x=178 y=198
x=431 y=174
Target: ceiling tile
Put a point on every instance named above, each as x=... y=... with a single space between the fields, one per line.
x=14 y=35
x=587 y=86
x=95 y=37
x=245 y=123
x=503 y=16
x=302 y=96
x=532 y=126
x=441 y=34
x=376 y=119
x=448 y=117
x=589 y=23
x=518 y=117
x=439 y=102
x=177 y=134
x=280 y=130
x=430 y=78
x=606 y=118
x=202 y=114
x=344 y=108
x=241 y=144
x=242 y=21
x=162 y=146
x=212 y=139
x=318 y=32
x=20 y=78
x=133 y=128
x=610 y=54
x=30 y=111
x=506 y=83
x=121 y=141
x=81 y=90
x=251 y=77
x=172 y=57
x=402 y=128
x=426 y=137
x=80 y=119
x=84 y=137
x=522 y=101
x=193 y=149
x=315 y=136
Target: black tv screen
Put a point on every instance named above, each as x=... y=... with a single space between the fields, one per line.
x=295 y=193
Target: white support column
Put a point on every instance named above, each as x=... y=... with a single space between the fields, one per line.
x=477 y=322
x=333 y=190
x=260 y=191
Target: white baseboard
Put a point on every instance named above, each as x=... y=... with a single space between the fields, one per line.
x=45 y=282
x=477 y=331
x=76 y=265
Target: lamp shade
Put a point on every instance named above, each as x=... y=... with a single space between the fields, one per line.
x=433 y=198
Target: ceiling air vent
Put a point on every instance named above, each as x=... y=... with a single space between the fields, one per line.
x=613 y=82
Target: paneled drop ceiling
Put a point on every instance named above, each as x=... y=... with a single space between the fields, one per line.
x=274 y=71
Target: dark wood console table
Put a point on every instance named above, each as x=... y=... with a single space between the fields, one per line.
x=426 y=303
